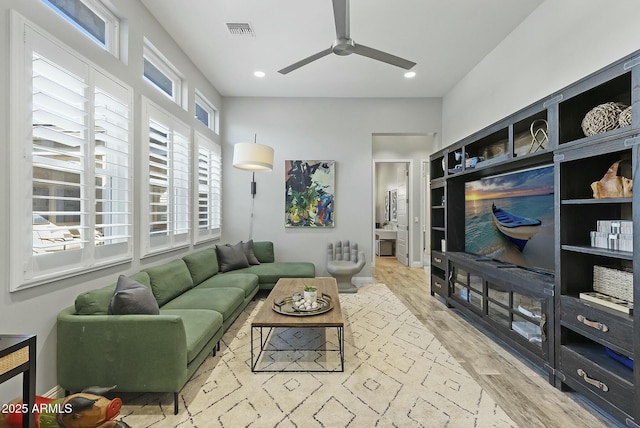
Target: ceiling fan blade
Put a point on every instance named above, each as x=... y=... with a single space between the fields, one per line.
x=305 y=61
x=341 y=17
x=383 y=56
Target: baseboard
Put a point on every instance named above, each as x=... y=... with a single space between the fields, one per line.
x=55 y=392
x=359 y=281
x=416 y=264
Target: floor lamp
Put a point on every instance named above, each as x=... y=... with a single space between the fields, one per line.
x=252 y=157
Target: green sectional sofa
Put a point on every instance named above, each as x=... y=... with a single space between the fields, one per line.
x=159 y=353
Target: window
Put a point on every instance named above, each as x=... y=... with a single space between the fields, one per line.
x=161 y=74
x=209 y=188
x=92 y=18
x=206 y=113
x=70 y=168
x=167 y=222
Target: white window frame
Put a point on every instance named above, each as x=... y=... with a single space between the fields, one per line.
x=172 y=239
x=159 y=61
x=112 y=25
x=208 y=163
x=207 y=106
x=26 y=268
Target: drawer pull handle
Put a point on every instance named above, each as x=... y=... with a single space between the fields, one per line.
x=437 y=260
x=593 y=324
x=543 y=325
x=437 y=284
x=594 y=382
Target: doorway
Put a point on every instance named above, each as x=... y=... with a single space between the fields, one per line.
x=393 y=230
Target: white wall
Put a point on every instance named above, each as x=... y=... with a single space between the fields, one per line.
x=560 y=42
x=318 y=128
x=34 y=310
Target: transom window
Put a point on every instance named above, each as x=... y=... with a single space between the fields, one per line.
x=92 y=18
x=161 y=74
x=206 y=113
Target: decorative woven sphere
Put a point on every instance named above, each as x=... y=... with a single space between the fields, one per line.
x=625 y=117
x=602 y=118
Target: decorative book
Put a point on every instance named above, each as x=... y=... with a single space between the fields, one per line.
x=608 y=301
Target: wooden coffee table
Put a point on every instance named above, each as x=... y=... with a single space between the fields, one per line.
x=268 y=319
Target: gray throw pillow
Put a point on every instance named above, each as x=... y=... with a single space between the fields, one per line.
x=247 y=247
x=231 y=257
x=133 y=298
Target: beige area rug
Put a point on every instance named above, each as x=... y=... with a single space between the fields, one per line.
x=396 y=375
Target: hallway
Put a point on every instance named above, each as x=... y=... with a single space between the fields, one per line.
x=521 y=391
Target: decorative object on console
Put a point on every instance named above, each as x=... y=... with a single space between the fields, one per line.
x=612 y=185
x=602 y=118
x=613 y=235
x=539 y=135
x=309 y=193
x=613 y=282
x=625 y=117
x=252 y=157
x=608 y=301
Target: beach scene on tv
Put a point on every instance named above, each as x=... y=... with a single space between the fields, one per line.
x=509 y=217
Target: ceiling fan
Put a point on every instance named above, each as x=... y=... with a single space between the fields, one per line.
x=344 y=45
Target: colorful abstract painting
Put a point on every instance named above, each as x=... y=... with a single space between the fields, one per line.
x=309 y=193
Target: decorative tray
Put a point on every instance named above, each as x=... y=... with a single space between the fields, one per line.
x=287 y=307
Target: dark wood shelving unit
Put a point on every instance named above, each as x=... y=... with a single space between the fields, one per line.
x=581 y=344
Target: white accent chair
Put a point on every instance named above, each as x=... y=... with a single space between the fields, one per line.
x=343 y=262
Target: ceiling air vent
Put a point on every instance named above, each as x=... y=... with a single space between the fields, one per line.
x=240 y=29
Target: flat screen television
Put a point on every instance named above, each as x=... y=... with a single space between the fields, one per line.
x=509 y=217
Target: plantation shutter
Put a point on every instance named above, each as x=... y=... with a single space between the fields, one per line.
x=168 y=199
x=69 y=169
x=209 y=189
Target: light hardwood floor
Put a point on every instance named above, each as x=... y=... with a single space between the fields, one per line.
x=523 y=392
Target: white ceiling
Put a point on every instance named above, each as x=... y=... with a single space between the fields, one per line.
x=446 y=38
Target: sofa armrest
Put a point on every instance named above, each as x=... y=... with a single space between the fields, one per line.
x=134 y=352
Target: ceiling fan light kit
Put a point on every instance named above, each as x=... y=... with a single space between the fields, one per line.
x=344 y=45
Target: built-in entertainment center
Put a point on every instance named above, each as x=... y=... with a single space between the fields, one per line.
x=534 y=226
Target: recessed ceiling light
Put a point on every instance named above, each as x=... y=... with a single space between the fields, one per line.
x=259 y=73
x=410 y=74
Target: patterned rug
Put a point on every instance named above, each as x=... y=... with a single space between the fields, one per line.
x=396 y=375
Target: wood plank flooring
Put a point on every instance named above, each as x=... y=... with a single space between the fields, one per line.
x=522 y=391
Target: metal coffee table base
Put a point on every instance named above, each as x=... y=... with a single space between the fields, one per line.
x=264 y=340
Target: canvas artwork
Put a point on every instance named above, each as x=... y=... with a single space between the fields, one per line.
x=309 y=193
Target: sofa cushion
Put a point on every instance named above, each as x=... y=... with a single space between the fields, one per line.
x=247 y=247
x=272 y=272
x=231 y=257
x=223 y=300
x=263 y=251
x=202 y=264
x=96 y=302
x=199 y=325
x=132 y=297
x=169 y=280
x=248 y=282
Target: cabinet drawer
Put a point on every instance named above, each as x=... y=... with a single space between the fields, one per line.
x=439 y=286
x=439 y=260
x=585 y=366
x=599 y=324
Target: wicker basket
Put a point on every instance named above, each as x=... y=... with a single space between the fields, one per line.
x=625 y=117
x=613 y=282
